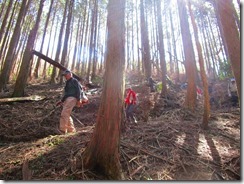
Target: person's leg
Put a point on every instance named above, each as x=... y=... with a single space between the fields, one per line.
x=66 y=122
x=128 y=113
x=63 y=119
x=234 y=100
x=132 y=116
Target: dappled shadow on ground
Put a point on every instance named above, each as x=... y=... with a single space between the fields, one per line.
x=167 y=143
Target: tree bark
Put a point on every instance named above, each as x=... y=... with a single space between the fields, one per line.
x=25 y=65
x=206 y=112
x=177 y=80
x=36 y=70
x=64 y=58
x=102 y=153
x=4 y=21
x=190 y=101
x=145 y=43
x=49 y=50
x=5 y=38
x=59 y=46
x=231 y=38
x=161 y=50
x=92 y=45
x=4 y=77
x=95 y=50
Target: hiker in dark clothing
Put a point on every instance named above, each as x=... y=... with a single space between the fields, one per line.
x=152 y=84
x=73 y=96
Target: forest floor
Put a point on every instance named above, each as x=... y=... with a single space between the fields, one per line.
x=167 y=143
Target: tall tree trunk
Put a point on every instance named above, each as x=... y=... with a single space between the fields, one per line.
x=78 y=66
x=169 y=44
x=44 y=72
x=3 y=25
x=4 y=77
x=190 y=101
x=76 y=44
x=2 y=8
x=102 y=152
x=92 y=46
x=204 y=38
x=161 y=50
x=84 y=65
x=137 y=37
x=19 y=53
x=36 y=70
x=127 y=43
x=132 y=41
x=4 y=41
x=210 y=47
x=64 y=58
x=59 y=45
x=145 y=43
x=231 y=37
x=25 y=65
x=174 y=48
x=206 y=112
x=94 y=67
x=214 y=47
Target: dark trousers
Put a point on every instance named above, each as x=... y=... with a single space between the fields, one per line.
x=130 y=112
x=234 y=98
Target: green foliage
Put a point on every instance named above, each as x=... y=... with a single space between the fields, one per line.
x=224 y=70
x=55 y=141
x=49 y=71
x=159 y=86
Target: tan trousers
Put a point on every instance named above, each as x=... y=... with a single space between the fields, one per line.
x=66 y=122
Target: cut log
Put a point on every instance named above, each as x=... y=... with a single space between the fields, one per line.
x=28 y=98
x=63 y=68
x=54 y=63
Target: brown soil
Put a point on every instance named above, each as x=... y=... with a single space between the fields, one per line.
x=167 y=143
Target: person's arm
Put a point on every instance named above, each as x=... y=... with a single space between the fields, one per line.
x=65 y=95
x=78 y=89
x=63 y=98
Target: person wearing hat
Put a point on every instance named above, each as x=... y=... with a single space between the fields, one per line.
x=130 y=102
x=71 y=98
x=232 y=91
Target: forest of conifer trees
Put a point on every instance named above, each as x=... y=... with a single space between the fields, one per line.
x=111 y=44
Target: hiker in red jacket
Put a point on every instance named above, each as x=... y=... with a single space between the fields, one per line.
x=130 y=102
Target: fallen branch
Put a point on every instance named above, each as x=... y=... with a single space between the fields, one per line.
x=63 y=68
x=72 y=115
x=54 y=63
x=18 y=99
x=136 y=170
